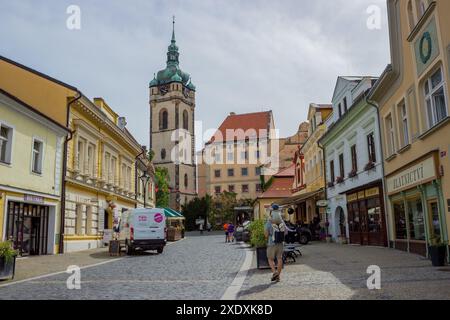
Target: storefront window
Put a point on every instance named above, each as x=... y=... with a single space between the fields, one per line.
x=416 y=220
x=374 y=215
x=400 y=220
x=436 y=224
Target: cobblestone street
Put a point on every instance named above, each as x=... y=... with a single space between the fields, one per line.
x=329 y=271
x=195 y=268
x=204 y=267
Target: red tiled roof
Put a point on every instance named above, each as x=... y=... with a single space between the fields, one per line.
x=280 y=188
x=288 y=172
x=251 y=121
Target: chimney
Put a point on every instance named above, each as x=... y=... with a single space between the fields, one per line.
x=232 y=113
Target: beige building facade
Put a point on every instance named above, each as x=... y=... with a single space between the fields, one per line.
x=413 y=100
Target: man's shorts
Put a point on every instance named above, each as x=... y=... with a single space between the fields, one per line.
x=275 y=251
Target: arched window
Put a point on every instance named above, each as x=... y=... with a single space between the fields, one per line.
x=186 y=181
x=163 y=154
x=163 y=120
x=185 y=120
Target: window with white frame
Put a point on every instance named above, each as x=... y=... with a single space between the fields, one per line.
x=390 y=135
x=404 y=123
x=37 y=156
x=435 y=98
x=5 y=143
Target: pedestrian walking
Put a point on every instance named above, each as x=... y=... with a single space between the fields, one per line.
x=201 y=228
x=225 y=227
x=275 y=231
x=231 y=232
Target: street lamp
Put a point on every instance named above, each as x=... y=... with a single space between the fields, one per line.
x=145 y=178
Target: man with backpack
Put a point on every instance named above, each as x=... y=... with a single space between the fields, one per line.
x=275 y=231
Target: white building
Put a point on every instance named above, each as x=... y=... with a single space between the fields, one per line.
x=353 y=166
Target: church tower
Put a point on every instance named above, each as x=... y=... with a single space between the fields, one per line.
x=172 y=116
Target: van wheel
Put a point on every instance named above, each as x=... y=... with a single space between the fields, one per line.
x=129 y=249
x=304 y=239
x=160 y=250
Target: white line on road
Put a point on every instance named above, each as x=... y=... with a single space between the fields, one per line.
x=61 y=272
x=233 y=290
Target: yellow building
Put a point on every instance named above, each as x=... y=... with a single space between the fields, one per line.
x=102 y=175
x=33 y=120
x=309 y=183
x=413 y=100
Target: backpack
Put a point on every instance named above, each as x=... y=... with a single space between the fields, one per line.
x=279 y=232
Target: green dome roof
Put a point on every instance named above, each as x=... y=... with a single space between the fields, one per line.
x=176 y=78
x=191 y=86
x=154 y=82
x=172 y=73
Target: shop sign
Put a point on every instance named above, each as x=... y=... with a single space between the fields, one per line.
x=352 y=197
x=34 y=199
x=361 y=195
x=420 y=173
x=372 y=192
x=322 y=203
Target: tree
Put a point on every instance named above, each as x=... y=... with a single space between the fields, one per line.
x=196 y=208
x=162 y=185
x=150 y=155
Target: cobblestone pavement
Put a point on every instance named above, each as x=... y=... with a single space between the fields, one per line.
x=329 y=271
x=199 y=267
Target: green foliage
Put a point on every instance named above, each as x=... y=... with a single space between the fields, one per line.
x=197 y=208
x=257 y=238
x=162 y=183
x=437 y=242
x=267 y=185
x=150 y=155
x=6 y=251
x=223 y=207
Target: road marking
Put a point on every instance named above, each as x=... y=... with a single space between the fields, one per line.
x=233 y=290
x=61 y=272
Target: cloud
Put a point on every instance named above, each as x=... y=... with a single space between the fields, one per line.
x=244 y=56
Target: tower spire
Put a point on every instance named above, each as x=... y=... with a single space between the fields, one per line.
x=173 y=29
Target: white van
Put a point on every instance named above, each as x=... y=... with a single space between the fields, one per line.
x=143 y=229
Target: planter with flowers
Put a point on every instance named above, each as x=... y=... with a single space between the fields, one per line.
x=369 y=166
x=352 y=174
x=339 y=180
x=7 y=260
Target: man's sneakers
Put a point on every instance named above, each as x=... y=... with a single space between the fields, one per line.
x=276 y=277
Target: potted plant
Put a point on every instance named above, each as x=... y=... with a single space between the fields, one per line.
x=369 y=166
x=353 y=174
x=438 y=250
x=339 y=180
x=330 y=184
x=7 y=260
x=258 y=240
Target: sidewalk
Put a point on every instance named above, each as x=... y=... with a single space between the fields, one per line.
x=31 y=267
x=331 y=271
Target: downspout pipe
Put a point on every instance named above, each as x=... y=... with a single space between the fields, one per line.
x=63 y=178
x=383 y=180
x=324 y=168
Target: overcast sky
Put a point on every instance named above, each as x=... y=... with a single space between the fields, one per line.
x=243 y=56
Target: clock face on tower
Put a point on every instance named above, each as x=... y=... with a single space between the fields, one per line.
x=164 y=89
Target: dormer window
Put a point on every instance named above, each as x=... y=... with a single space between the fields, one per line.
x=340 y=110
x=345 y=105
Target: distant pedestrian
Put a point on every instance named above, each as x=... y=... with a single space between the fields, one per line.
x=201 y=228
x=231 y=232
x=225 y=227
x=275 y=232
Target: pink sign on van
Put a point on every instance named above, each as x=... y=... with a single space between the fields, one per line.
x=159 y=218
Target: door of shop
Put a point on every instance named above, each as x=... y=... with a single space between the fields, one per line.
x=366 y=222
x=28 y=228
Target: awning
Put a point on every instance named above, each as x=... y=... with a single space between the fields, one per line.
x=299 y=198
x=172 y=214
